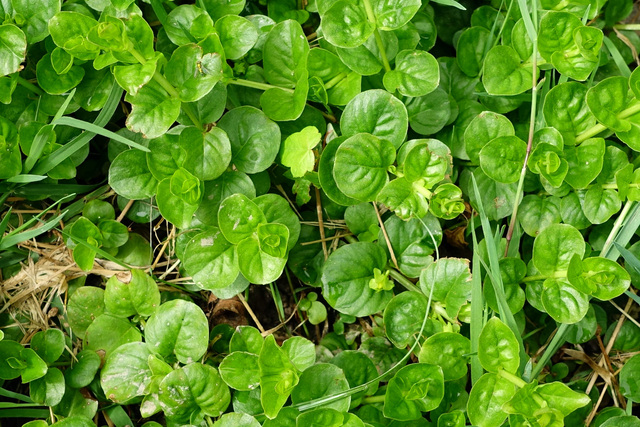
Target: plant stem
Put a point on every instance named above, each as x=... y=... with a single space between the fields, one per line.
x=632 y=27
x=517 y=381
x=334 y=81
x=376 y=34
x=399 y=277
x=532 y=127
x=594 y=130
x=386 y=237
x=28 y=85
x=256 y=85
x=168 y=87
x=373 y=399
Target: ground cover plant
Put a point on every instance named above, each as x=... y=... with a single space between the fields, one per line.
x=319 y=213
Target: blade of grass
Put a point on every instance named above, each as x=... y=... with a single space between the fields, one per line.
x=90 y=127
x=4 y=223
x=14 y=239
x=477 y=309
x=496 y=278
x=51 y=190
x=12 y=395
x=26 y=178
x=617 y=57
x=49 y=162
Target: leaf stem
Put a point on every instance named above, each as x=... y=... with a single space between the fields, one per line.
x=256 y=85
x=515 y=380
x=168 y=87
x=632 y=27
x=399 y=277
x=386 y=237
x=373 y=399
x=376 y=34
x=28 y=85
x=334 y=81
x=594 y=130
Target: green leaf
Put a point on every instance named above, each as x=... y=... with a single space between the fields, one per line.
x=187 y=23
x=416 y=74
x=358 y=368
x=301 y=352
x=236 y=420
x=246 y=339
x=450 y=281
x=85 y=305
x=326 y=174
x=361 y=166
x=240 y=371
x=278 y=377
x=49 y=389
x=502 y=158
x=412 y=242
x=414 y=389
x=563 y=302
x=629 y=379
x=108 y=332
x=54 y=83
x=555 y=246
x=488 y=395
x=449 y=351
x=285 y=54
x=140 y=296
x=192 y=391
x=471 y=51
x=179 y=208
x=256 y=258
x=48 y=344
x=537 y=213
x=404 y=198
x=561 y=398
x=178 y=327
x=321 y=380
x=153 y=110
x=13 y=49
x=498 y=347
x=298 y=151
x=193 y=72
x=9 y=350
x=34 y=367
x=607 y=99
x=211 y=260
x=504 y=74
x=585 y=162
x=239 y=218
x=345 y=24
x=391 y=15
x=600 y=204
x=403 y=317
x=126 y=373
x=608 y=278
x=277 y=210
x=255 y=139
x=130 y=177
x=566 y=109
x=69 y=31
x=84 y=370
x=346 y=276
x=237 y=35
x=376 y=112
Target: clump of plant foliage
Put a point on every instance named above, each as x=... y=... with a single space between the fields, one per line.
x=347 y=153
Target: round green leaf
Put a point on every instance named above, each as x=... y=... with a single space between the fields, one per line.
x=108 y=332
x=326 y=174
x=193 y=390
x=153 y=110
x=555 y=246
x=498 y=347
x=130 y=177
x=417 y=73
x=236 y=420
x=403 y=317
x=346 y=276
x=345 y=24
x=450 y=280
x=361 y=165
x=504 y=74
x=608 y=277
x=488 y=395
x=178 y=327
x=13 y=49
x=563 y=302
x=448 y=350
x=240 y=371
x=414 y=389
x=84 y=370
x=48 y=344
x=211 y=260
x=237 y=35
x=255 y=139
x=126 y=373
x=376 y=112
x=322 y=380
x=85 y=305
x=358 y=369
x=630 y=379
x=502 y=158
x=393 y=14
